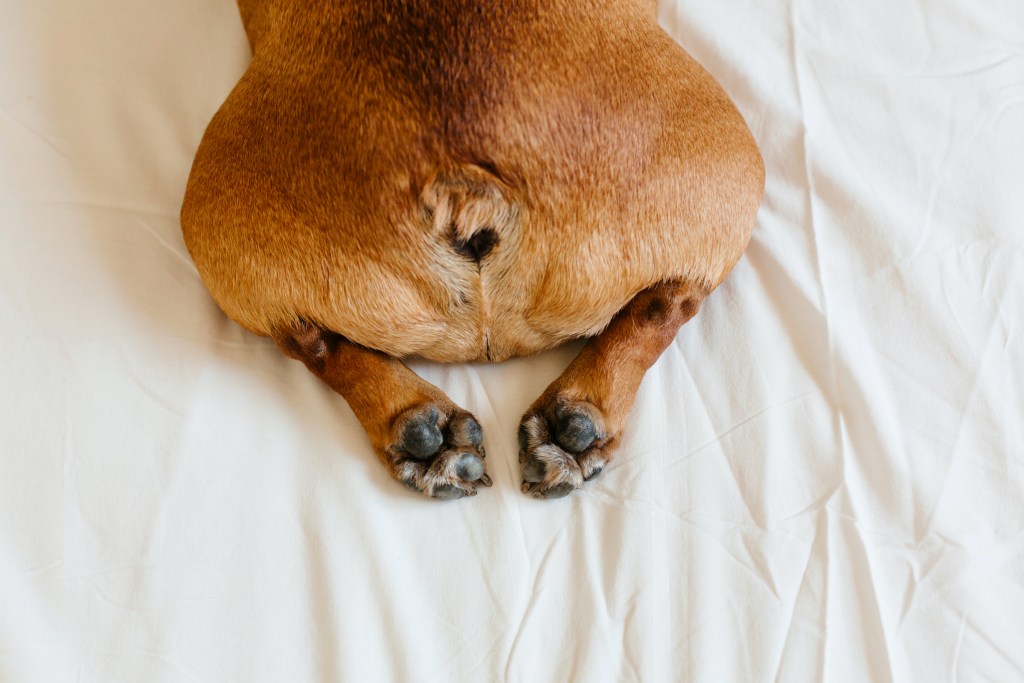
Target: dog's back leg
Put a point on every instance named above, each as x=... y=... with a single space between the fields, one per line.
x=568 y=434
x=426 y=441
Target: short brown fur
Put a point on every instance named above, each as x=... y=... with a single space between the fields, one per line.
x=469 y=180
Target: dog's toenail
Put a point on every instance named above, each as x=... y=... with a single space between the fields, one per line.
x=594 y=472
x=448 y=492
x=469 y=467
x=575 y=432
x=421 y=439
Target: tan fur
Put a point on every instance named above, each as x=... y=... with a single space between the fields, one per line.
x=608 y=371
x=342 y=183
x=383 y=393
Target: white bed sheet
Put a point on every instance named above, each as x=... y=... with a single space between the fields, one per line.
x=823 y=477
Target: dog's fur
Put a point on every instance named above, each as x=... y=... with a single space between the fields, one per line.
x=470 y=180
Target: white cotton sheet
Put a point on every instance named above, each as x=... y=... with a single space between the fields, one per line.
x=823 y=477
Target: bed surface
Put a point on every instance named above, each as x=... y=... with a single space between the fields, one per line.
x=823 y=477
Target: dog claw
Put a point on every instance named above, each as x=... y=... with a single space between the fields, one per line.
x=485 y=480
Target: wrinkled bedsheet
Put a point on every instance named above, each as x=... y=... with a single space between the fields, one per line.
x=823 y=478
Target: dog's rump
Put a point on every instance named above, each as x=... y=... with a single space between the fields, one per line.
x=391 y=204
x=457 y=277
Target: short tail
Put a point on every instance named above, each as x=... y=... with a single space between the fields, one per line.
x=471 y=208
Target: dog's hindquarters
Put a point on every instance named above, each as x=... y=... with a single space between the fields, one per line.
x=353 y=192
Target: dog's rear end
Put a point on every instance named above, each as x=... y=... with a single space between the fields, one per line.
x=464 y=180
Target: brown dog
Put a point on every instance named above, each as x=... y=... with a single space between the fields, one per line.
x=471 y=180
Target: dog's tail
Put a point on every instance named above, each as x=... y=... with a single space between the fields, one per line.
x=470 y=208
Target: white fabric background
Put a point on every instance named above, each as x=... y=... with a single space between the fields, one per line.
x=823 y=477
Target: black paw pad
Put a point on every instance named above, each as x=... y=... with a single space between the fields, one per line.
x=469 y=467
x=534 y=471
x=421 y=437
x=448 y=492
x=467 y=431
x=557 y=491
x=575 y=432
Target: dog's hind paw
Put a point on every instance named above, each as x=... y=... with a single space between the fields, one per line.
x=561 y=445
x=439 y=454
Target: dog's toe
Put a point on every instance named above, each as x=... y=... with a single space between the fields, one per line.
x=420 y=435
x=557 y=491
x=447 y=492
x=592 y=463
x=465 y=430
x=534 y=471
x=575 y=431
x=469 y=467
